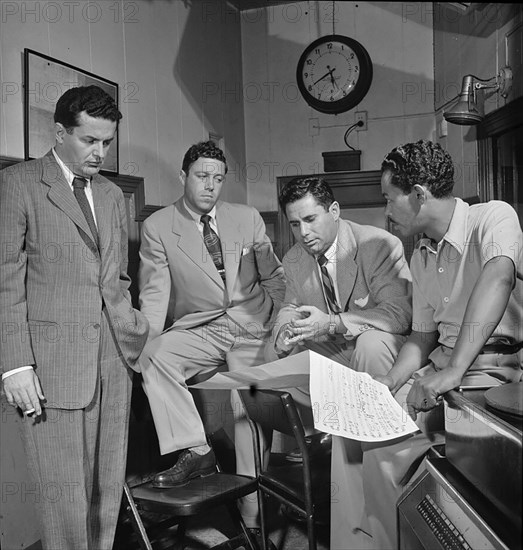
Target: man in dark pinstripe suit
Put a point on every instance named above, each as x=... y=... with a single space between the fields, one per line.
x=69 y=331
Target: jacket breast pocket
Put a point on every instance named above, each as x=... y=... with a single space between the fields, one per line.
x=248 y=270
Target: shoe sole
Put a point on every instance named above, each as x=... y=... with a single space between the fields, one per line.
x=199 y=473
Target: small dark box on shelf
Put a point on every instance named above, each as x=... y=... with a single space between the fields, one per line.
x=341 y=161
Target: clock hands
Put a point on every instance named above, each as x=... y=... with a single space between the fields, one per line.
x=333 y=81
x=334 y=73
x=328 y=73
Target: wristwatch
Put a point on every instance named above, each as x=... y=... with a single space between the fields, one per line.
x=332 y=324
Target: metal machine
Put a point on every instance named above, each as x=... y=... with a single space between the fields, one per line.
x=470 y=496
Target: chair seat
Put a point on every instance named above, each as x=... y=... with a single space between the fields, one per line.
x=195 y=496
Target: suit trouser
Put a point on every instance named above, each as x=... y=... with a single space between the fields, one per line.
x=77 y=458
x=373 y=352
x=176 y=356
x=388 y=468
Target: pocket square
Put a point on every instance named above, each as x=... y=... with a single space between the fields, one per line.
x=246 y=250
x=362 y=302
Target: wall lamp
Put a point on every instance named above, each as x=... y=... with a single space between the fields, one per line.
x=465 y=112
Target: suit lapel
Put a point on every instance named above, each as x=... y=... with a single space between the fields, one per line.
x=231 y=238
x=103 y=211
x=190 y=241
x=61 y=194
x=346 y=271
x=312 y=283
x=346 y=266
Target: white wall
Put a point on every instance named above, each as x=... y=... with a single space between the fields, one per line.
x=478 y=41
x=398 y=37
x=172 y=60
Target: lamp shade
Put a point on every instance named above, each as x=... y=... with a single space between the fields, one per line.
x=465 y=111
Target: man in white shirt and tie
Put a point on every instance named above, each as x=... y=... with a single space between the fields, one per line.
x=348 y=285
x=348 y=297
x=69 y=331
x=214 y=262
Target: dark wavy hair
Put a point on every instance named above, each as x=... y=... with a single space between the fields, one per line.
x=424 y=163
x=300 y=187
x=205 y=149
x=91 y=99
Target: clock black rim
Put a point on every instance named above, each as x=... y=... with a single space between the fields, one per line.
x=361 y=88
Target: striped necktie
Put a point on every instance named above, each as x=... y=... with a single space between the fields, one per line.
x=79 y=192
x=328 y=286
x=212 y=242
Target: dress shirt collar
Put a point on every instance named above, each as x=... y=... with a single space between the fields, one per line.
x=68 y=174
x=456 y=232
x=330 y=253
x=196 y=217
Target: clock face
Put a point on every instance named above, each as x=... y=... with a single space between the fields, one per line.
x=334 y=74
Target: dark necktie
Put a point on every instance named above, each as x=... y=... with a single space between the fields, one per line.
x=328 y=286
x=79 y=192
x=212 y=242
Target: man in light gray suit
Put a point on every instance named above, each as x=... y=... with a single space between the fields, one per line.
x=216 y=263
x=348 y=285
x=348 y=297
x=69 y=331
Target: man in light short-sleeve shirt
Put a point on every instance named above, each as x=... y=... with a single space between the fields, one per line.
x=446 y=273
x=467 y=277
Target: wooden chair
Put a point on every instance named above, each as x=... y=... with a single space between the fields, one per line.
x=303 y=487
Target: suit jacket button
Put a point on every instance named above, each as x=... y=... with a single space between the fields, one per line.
x=96 y=326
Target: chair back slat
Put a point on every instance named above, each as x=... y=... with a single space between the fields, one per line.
x=266 y=408
x=277 y=410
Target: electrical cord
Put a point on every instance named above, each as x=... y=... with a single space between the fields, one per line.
x=349 y=130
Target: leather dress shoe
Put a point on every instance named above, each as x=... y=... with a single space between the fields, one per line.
x=188 y=466
x=318 y=444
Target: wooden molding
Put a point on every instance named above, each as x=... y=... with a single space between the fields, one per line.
x=493 y=126
x=502 y=120
x=8 y=161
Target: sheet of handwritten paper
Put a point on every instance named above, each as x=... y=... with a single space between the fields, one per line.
x=353 y=405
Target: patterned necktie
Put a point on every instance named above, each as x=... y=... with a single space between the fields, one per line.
x=212 y=242
x=328 y=286
x=79 y=192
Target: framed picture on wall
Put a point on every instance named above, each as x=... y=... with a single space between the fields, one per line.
x=45 y=80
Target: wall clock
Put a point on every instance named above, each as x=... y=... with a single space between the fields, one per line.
x=334 y=73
